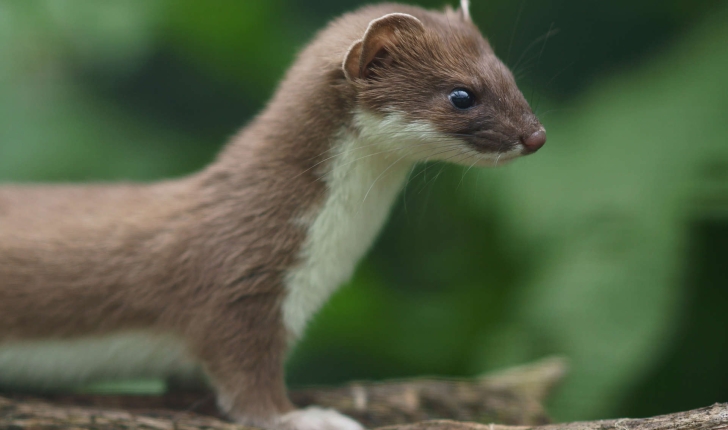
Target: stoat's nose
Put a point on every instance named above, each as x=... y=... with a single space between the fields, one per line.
x=535 y=141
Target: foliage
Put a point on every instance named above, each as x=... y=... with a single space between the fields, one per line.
x=607 y=247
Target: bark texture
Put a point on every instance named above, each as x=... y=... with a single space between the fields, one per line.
x=512 y=399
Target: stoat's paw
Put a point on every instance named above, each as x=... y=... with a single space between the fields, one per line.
x=315 y=418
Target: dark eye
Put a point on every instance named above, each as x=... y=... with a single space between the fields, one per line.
x=462 y=99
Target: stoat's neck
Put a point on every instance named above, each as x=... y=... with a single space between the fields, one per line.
x=362 y=181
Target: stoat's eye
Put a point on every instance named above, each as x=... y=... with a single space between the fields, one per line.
x=462 y=98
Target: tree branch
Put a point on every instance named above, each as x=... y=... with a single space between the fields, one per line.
x=711 y=418
x=513 y=397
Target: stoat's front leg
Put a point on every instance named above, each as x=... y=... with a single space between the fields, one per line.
x=242 y=348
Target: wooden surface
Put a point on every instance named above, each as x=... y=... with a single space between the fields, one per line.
x=512 y=397
x=710 y=418
x=510 y=400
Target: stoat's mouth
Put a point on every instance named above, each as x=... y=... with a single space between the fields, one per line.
x=491 y=146
x=497 y=158
x=498 y=144
x=501 y=159
x=527 y=151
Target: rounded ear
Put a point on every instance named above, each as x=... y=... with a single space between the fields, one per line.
x=381 y=34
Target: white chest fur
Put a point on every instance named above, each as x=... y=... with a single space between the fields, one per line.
x=363 y=181
x=366 y=174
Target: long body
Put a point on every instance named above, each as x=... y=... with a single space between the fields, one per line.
x=219 y=271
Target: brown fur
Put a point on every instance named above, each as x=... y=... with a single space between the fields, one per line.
x=204 y=256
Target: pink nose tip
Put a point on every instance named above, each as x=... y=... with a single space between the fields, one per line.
x=535 y=141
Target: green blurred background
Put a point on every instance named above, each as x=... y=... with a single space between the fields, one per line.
x=608 y=247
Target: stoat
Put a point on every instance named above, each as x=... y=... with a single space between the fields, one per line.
x=222 y=269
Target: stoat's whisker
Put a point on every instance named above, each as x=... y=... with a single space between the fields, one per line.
x=477 y=158
x=432 y=182
x=382 y=174
x=445 y=160
x=427 y=165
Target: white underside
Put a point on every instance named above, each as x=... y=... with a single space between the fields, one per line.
x=366 y=174
x=63 y=364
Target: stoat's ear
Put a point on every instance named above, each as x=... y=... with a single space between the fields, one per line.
x=381 y=35
x=464 y=10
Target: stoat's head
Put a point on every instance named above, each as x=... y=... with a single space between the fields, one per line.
x=433 y=86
